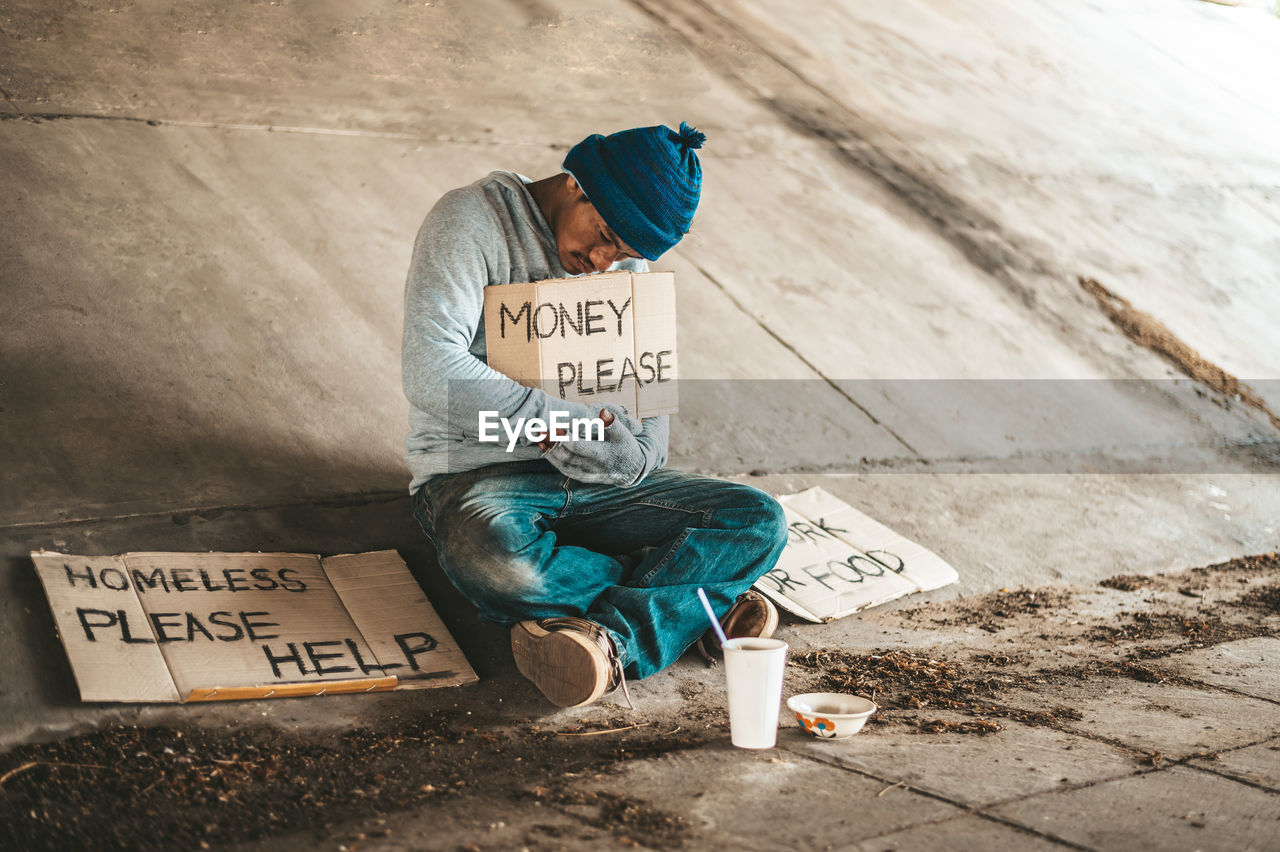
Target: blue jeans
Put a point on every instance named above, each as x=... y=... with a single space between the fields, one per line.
x=521 y=541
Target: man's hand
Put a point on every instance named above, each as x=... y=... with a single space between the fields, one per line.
x=608 y=414
x=617 y=460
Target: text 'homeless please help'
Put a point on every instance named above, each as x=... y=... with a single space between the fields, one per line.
x=333 y=656
x=152 y=626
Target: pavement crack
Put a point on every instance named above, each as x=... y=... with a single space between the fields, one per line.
x=798 y=354
x=965 y=808
x=1229 y=776
x=1226 y=690
x=1148 y=332
x=17 y=110
x=67 y=116
x=261 y=128
x=1025 y=829
x=1154 y=458
x=185 y=515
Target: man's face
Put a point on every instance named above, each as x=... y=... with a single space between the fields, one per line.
x=583 y=241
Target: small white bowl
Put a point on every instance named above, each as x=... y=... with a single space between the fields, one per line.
x=831 y=715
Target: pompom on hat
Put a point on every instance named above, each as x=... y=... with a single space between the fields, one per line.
x=645 y=182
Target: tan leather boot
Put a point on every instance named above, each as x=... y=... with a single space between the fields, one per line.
x=752 y=615
x=571 y=660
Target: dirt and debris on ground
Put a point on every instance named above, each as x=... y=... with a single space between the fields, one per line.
x=1145 y=330
x=1110 y=638
x=1216 y=609
x=1126 y=582
x=1012 y=657
x=1266 y=600
x=628 y=819
x=992 y=611
x=161 y=788
x=1200 y=629
x=910 y=689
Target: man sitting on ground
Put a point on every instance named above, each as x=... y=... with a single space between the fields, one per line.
x=590 y=550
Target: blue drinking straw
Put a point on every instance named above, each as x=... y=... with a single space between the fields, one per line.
x=711 y=614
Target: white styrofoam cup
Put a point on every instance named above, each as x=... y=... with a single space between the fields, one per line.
x=753 y=669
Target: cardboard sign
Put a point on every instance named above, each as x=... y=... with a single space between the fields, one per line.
x=597 y=339
x=838 y=561
x=211 y=626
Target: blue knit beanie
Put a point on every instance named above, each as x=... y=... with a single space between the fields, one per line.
x=645 y=182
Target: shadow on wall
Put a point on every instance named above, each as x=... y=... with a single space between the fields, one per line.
x=85 y=440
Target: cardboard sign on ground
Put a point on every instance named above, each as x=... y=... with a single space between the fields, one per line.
x=211 y=626
x=838 y=561
x=597 y=339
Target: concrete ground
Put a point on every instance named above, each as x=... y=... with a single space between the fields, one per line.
x=208 y=217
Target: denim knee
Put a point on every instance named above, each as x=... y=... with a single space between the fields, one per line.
x=755 y=510
x=497 y=579
x=758 y=517
x=770 y=521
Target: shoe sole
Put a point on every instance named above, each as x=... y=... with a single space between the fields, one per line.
x=567 y=667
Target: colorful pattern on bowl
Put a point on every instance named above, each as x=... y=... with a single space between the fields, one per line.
x=816 y=725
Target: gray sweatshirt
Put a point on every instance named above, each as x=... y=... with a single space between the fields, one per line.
x=491 y=232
